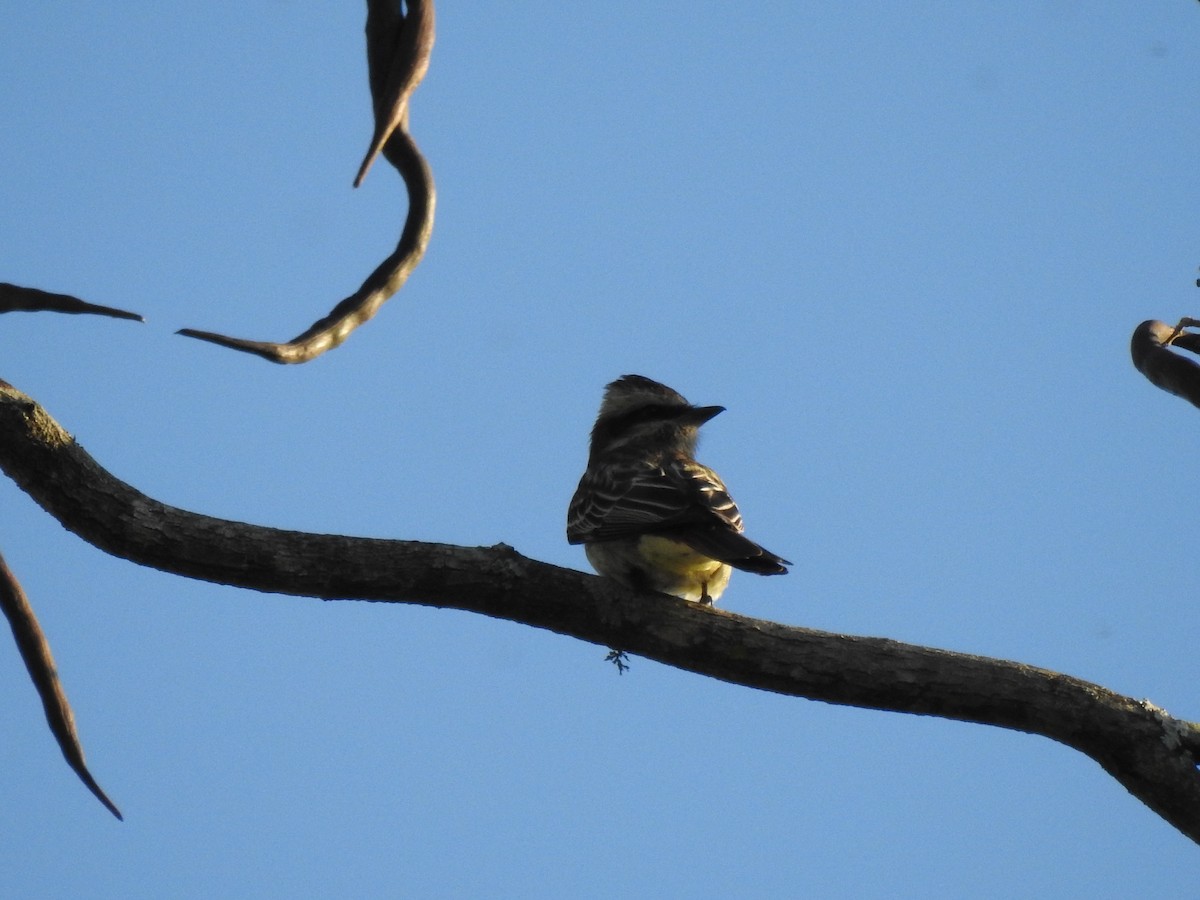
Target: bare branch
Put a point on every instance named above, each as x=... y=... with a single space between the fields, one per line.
x=14 y=298
x=1151 y=753
x=1152 y=357
x=401 y=47
x=398 y=50
x=35 y=651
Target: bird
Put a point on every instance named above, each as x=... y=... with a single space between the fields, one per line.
x=648 y=514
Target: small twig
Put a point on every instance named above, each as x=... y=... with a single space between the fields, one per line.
x=14 y=298
x=1185 y=322
x=35 y=651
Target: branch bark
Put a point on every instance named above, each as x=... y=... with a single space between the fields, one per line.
x=1148 y=751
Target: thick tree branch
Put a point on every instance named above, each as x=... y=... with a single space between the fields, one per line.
x=398 y=50
x=1152 y=754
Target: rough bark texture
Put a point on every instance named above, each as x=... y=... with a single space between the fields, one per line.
x=1152 y=754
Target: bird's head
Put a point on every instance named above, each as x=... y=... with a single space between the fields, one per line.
x=639 y=415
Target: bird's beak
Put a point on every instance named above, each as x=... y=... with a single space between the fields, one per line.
x=698 y=415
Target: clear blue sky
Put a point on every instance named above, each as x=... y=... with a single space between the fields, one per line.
x=904 y=244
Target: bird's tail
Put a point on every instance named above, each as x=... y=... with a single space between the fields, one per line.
x=736 y=550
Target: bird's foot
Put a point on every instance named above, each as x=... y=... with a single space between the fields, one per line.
x=619 y=659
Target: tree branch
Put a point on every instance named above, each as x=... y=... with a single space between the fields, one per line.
x=14 y=298
x=39 y=661
x=400 y=47
x=398 y=50
x=1151 y=753
x=1152 y=356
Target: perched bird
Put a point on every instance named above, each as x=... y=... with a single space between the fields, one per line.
x=648 y=515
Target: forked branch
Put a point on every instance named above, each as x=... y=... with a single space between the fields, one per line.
x=399 y=47
x=1151 y=753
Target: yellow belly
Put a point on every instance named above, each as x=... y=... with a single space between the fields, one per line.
x=682 y=571
x=652 y=562
x=672 y=556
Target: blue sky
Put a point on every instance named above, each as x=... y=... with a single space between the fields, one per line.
x=904 y=244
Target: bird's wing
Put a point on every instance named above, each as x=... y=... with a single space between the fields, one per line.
x=711 y=504
x=623 y=500
x=681 y=498
x=715 y=528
